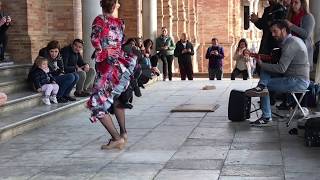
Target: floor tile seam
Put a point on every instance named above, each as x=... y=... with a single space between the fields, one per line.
x=225 y=159
x=282 y=152
x=127 y=149
x=180 y=146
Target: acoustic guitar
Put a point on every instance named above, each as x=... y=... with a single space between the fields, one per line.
x=273 y=58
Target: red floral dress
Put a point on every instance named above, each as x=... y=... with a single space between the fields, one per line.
x=113 y=66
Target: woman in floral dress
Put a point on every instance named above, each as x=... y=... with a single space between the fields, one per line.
x=114 y=70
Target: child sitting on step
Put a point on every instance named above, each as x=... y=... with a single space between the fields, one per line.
x=43 y=81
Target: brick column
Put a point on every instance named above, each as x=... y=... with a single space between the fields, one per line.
x=182 y=17
x=159 y=15
x=175 y=19
x=192 y=31
x=130 y=11
x=19 y=44
x=167 y=15
x=90 y=10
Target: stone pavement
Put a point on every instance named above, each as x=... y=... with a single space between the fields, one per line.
x=163 y=145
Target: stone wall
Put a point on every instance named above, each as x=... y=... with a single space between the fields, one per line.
x=38 y=21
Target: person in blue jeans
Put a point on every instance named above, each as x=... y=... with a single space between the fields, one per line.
x=290 y=74
x=66 y=81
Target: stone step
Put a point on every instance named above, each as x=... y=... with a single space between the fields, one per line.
x=21 y=100
x=16 y=122
x=13 y=84
x=14 y=70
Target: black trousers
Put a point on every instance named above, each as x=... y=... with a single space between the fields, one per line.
x=3 y=42
x=167 y=66
x=215 y=72
x=186 y=70
x=237 y=71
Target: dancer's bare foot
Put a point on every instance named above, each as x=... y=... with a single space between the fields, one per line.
x=118 y=144
x=125 y=137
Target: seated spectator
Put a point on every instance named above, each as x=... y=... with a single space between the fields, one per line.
x=5 y=22
x=73 y=62
x=3 y=98
x=43 y=81
x=242 y=60
x=65 y=81
x=290 y=74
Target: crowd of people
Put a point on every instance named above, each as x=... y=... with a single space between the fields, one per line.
x=121 y=68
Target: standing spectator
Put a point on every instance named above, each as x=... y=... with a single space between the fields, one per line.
x=165 y=47
x=5 y=21
x=43 y=81
x=273 y=12
x=73 y=62
x=184 y=51
x=65 y=81
x=301 y=23
x=114 y=71
x=215 y=54
x=286 y=4
x=242 y=60
x=148 y=45
x=3 y=98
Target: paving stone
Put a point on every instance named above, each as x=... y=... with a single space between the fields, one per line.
x=145 y=157
x=302 y=164
x=161 y=140
x=249 y=178
x=205 y=152
x=300 y=176
x=196 y=164
x=170 y=174
x=256 y=146
x=266 y=135
x=116 y=171
x=181 y=122
x=55 y=176
x=187 y=114
x=252 y=171
x=212 y=133
x=38 y=158
x=207 y=142
x=254 y=157
x=18 y=173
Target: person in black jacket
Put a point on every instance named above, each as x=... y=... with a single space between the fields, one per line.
x=5 y=22
x=43 y=81
x=275 y=11
x=184 y=51
x=73 y=62
x=65 y=81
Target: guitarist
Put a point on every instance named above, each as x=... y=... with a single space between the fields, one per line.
x=273 y=12
x=290 y=74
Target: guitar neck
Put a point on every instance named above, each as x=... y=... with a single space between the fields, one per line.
x=263 y=57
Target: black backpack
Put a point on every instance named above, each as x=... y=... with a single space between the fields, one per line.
x=312 y=132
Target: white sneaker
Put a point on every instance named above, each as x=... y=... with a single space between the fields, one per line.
x=54 y=99
x=46 y=101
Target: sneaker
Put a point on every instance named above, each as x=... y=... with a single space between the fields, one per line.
x=53 y=99
x=81 y=94
x=69 y=98
x=257 y=92
x=46 y=101
x=262 y=121
x=62 y=100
